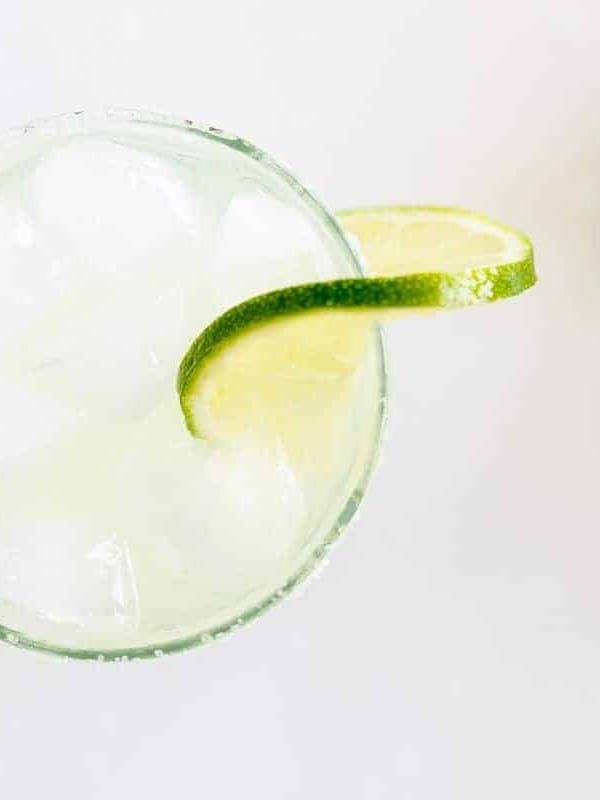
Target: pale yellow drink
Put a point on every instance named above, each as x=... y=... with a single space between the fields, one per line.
x=121 y=236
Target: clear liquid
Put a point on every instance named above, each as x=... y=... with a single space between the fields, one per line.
x=119 y=241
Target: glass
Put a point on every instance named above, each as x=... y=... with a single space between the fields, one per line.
x=186 y=137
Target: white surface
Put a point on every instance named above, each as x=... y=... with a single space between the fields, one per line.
x=452 y=648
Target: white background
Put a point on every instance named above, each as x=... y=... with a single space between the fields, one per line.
x=451 y=651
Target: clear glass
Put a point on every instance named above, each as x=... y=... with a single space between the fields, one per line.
x=185 y=136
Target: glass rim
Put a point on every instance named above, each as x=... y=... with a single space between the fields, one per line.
x=316 y=556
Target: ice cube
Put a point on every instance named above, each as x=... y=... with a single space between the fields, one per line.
x=217 y=523
x=54 y=566
x=111 y=354
x=33 y=274
x=114 y=205
x=115 y=569
x=253 y=517
x=29 y=422
x=261 y=244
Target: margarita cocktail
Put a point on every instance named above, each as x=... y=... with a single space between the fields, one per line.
x=191 y=376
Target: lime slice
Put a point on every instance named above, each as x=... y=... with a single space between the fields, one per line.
x=280 y=365
x=407 y=239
